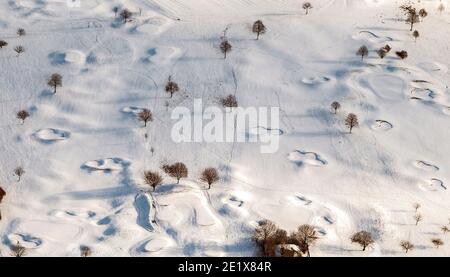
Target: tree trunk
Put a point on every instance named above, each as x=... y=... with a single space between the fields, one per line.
x=209 y=186
x=257 y=35
x=364 y=247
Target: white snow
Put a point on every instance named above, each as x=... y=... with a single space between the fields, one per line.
x=84 y=151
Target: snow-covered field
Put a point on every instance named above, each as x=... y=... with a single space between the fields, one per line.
x=84 y=152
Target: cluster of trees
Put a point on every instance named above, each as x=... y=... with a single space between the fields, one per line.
x=18 y=49
x=273 y=241
x=55 y=81
x=178 y=171
x=437 y=242
x=363 y=51
x=413 y=15
x=351 y=121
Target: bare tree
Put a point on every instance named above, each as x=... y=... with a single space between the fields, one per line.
x=55 y=81
x=416 y=206
x=351 y=121
x=3 y=43
x=125 y=15
x=176 y=170
x=306 y=6
x=406 y=245
x=209 y=176
x=381 y=53
x=21 y=32
x=17 y=250
x=229 y=101
x=145 y=116
x=22 y=115
x=305 y=237
x=412 y=16
x=437 y=242
x=171 y=87
x=415 y=34
x=445 y=229
x=402 y=54
x=441 y=8
x=387 y=48
x=225 y=47
x=19 y=171
x=363 y=238
x=335 y=106
x=2 y=194
x=85 y=251
x=423 y=13
x=258 y=28
x=115 y=10
x=153 y=179
x=417 y=218
x=19 y=50
x=362 y=51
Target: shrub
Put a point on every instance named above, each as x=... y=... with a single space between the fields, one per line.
x=229 y=101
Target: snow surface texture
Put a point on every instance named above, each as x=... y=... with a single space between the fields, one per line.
x=84 y=152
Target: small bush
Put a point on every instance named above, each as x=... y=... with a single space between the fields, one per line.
x=402 y=54
x=229 y=101
x=22 y=115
